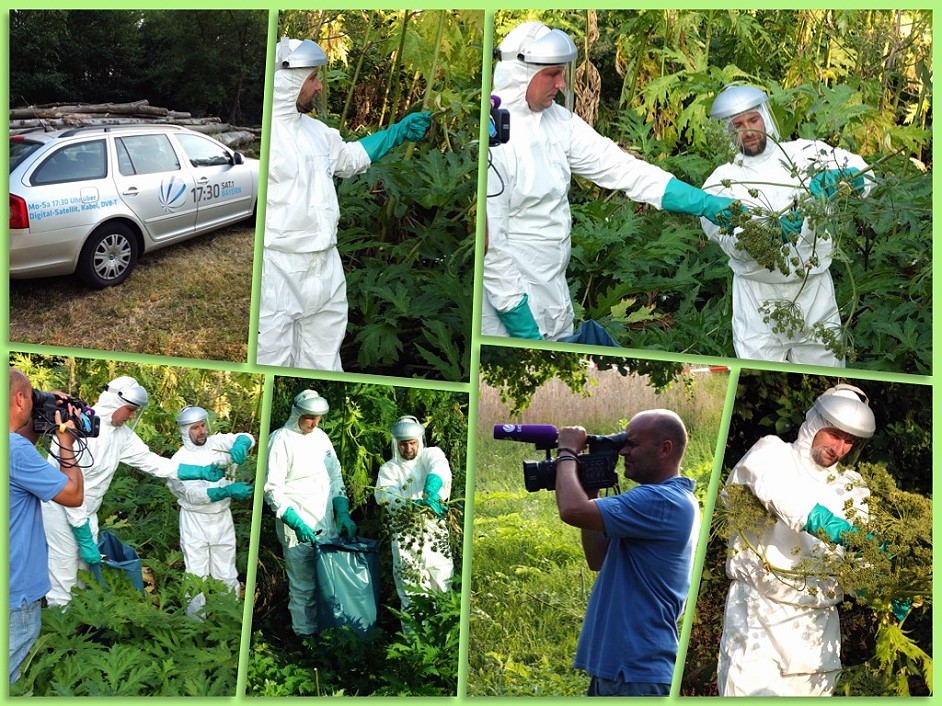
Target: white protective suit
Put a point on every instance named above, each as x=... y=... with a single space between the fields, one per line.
x=425 y=566
x=781 y=634
x=303 y=310
x=528 y=218
x=303 y=474
x=207 y=535
x=99 y=461
x=753 y=285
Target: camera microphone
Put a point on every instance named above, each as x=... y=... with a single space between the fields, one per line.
x=495 y=101
x=543 y=436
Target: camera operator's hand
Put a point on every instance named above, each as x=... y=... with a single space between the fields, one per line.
x=65 y=429
x=572 y=439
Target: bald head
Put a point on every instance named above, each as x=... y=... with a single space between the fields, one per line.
x=21 y=399
x=655 y=441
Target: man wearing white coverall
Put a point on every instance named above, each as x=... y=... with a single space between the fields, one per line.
x=781 y=634
x=780 y=175
x=303 y=311
x=417 y=475
x=207 y=535
x=72 y=532
x=305 y=489
x=528 y=218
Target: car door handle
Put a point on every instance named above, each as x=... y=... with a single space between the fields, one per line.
x=202 y=180
x=131 y=191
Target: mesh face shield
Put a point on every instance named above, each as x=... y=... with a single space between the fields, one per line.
x=300 y=57
x=406 y=429
x=542 y=50
x=737 y=107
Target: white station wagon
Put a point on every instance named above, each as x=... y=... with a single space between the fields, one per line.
x=90 y=200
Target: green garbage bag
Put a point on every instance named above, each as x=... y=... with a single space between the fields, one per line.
x=118 y=556
x=347 y=583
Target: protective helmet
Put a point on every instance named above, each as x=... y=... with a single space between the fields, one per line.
x=407 y=428
x=532 y=47
x=128 y=391
x=309 y=403
x=299 y=54
x=551 y=49
x=191 y=415
x=737 y=99
x=845 y=407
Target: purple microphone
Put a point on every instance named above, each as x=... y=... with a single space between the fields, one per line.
x=544 y=436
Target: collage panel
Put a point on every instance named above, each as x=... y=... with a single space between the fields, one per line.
x=818 y=575
x=130 y=526
x=543 y=622
x=146 y=133
x=368 y=260
x=358 y=587
x=738 y=183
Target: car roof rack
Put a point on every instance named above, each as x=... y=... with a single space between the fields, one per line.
x=108 y=128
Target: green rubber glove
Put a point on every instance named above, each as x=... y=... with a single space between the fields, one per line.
x=236 y=491
x=824 y=185
x=791 y=224
x=88 y=550
x=433 y=484
x=240 y=448
x=305 y=533
x=346 y=526
x=187 y=471
x=519 y=321
x=680 y=197
x=901 y=608
x=834 y=527
x=412 y=128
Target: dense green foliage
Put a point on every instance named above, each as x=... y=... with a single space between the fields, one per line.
x=889 y=559
x=199 y=61
x=414 y=653
x=118 y=641
x=857 y=79
x=406 y=233
x=530 y=584
x=519 y=372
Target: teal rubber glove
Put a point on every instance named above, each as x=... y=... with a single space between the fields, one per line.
x=236 y=491
x=88 y=550
x=240 y=448
x=824 y=185
x=412 y=127
x=305 y=533
x=680 y=197
x=187 y=471
x=346 y=526
x=519 y=321
x=901 y=608
x=820 y=518
x=433 y=484
x=791 y=224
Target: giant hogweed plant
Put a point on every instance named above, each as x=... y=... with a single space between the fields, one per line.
x=886 y=562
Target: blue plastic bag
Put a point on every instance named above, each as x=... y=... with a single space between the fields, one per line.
x=118 y=556
x=592 y=333
x=347 y=583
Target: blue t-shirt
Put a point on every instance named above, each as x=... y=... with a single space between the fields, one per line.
x=31 y=479
x=630 y=624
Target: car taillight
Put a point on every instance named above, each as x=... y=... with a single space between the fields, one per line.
x=19 y=216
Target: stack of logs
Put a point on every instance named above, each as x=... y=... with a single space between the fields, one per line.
x=56 y=116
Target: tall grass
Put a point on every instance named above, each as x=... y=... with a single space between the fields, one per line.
x=530 y=584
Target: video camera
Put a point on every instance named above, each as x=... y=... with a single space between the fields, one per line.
x=45 y=406
x=498 y=130
x=595 y=469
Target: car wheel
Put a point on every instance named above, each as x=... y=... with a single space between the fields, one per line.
x=109 y=256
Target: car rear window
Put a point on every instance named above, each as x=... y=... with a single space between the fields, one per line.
x=20 y=149
x=77 y=162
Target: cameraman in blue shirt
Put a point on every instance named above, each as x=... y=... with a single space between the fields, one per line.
x=32 y=480
x=642 y=543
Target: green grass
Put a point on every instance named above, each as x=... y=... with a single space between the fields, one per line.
x=530 y=583
x=190 y=300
